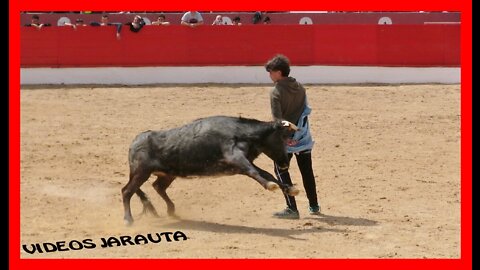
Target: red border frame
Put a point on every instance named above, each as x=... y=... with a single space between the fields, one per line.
x=464 y=262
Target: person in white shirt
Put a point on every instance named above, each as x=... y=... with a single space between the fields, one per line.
x=192 y=19
x=218 y=20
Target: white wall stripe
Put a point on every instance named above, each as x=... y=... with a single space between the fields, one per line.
x=237 y=74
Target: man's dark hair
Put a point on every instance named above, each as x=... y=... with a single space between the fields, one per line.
x=35 y=17
x=236 y=19
x=279 y=62
x=161 y=16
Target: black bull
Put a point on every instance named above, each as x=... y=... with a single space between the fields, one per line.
x=218 y=145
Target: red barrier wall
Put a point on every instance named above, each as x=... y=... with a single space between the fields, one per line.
x=356 y=45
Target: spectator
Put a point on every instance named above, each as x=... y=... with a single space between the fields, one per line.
x=70 y=24
x=257 y=17
x=192 y=19
x=36 y=23
x=137 y=24
x=218 y=20
x=105 y=21
x=79 y=22
x=288 y=101
x=161 y=20
x=236 y=21
x=267 y=20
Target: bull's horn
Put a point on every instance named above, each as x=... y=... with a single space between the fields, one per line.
x=289 y=125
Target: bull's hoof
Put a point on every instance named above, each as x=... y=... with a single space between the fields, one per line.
x=272 y=186
x=293 y=191
x=128 y=222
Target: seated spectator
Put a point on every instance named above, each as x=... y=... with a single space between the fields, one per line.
x=137 y=24
x=105 y=21
x=36 y=22
x=192 y=19
x=79 y=22
x=161 y=20
x=218 y=20
x=267 y=20
x=70 y=24
x=236 y=21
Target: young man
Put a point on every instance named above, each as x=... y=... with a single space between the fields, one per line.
x=161 y=20
x=236 y=21
x=36 y=22
x=105 y=21
x=288 y=101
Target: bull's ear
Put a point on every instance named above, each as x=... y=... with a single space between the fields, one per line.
x=290 y=126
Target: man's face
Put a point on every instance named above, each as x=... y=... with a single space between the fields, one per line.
x=275 y=75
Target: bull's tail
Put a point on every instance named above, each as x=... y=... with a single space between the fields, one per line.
x=147 y=204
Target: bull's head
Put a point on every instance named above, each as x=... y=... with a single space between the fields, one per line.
x=275 y=144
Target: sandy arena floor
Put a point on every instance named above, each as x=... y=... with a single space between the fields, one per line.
x=386 y=160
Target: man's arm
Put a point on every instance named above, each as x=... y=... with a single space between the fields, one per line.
x=192 y=24
x=71 y=25
x=276 y=105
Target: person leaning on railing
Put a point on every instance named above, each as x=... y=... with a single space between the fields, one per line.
x=105 y=21
x=161 y=20
x=192 y=19
x=35 y=22
x=137 y=24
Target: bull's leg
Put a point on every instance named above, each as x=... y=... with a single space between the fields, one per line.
x=147 y=205
x=237 y=159
x=288 y=190
x=161 y=185
x=136 y=180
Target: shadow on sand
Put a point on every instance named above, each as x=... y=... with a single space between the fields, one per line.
x=305 y=227
x=345 y=221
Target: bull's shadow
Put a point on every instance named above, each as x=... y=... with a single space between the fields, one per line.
x=199 y=225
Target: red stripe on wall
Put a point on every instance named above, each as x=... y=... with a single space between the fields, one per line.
x=351 y=45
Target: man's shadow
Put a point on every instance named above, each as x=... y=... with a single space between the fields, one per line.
x=305 y=228
x=345 y=221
